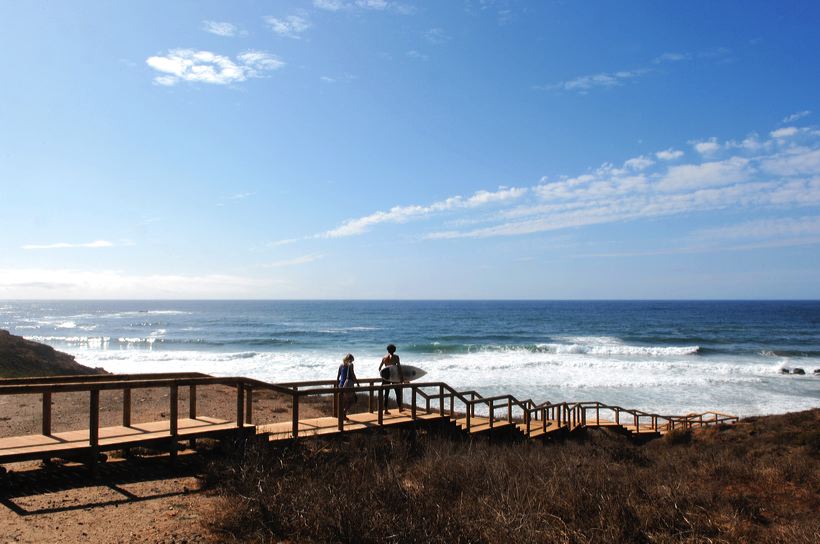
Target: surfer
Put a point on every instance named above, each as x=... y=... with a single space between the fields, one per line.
x=345 y=378
x=389 y=360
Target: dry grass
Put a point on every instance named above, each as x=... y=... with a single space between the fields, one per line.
x=756 y=482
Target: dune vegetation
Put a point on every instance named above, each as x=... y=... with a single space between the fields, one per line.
x=758 y=481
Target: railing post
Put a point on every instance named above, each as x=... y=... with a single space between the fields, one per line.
x=370 y=400
x=381 y=405
x=47 y=413
x=492 y=410
x=295 y=411
x=527 y=418
x=335 y=402
x=94 y=428
x=636 y=423
x=413 y=403
x=191 y=409
x=240 y=405
x=617 y=416
x=249 y=406
x=509 y=409
x=126 y=407
x=452 y=404
x=340 y=416
x=173 y=424
x=468 y=410
x=192 y=401
x=544 y=420
x=441 y=400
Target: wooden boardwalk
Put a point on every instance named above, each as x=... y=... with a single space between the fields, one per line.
x=466 y=412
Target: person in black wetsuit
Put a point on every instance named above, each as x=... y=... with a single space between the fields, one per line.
x=389 y=360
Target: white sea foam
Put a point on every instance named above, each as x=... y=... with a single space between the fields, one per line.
x=666 y=385
x=66 y=325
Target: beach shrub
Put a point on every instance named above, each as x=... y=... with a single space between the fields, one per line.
x=744 y=484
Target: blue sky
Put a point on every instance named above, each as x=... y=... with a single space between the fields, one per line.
x=385 y=149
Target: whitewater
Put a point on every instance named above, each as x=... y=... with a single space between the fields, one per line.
x=664 y=357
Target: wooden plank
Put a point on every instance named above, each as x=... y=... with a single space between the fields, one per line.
x=108 y=437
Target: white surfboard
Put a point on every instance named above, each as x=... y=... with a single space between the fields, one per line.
x=410 y=373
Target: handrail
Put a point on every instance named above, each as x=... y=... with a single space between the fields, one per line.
x=565 y=414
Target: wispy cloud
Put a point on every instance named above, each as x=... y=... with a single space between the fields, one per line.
x=402 y=214
x=76 y=283
x=64 y=245
x=607 y=80
x=758 y=174
x=795 y=116
x=365 y=5
x=436 y=36
x=226 y=30
x=241 y=196
x=787 y=176
x=291 y=26
x=206 y=67
x=304 y=259
x=583 y=84
x=417 y=55
x=671 y=57
x=781 y=227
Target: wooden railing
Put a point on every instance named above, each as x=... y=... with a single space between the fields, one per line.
x=429 y=396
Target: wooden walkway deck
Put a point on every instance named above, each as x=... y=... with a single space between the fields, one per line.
x=430 y=403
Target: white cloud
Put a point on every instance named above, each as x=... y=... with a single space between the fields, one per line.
x=755 y=174
x=694 y=176
x=63 y=245
x=220 y=28
x=291 y=26
x=639 y=163
x=304 y=259
x=372 y=4
x=669 y=154
x=784 y=132
x=795 y=116
x=365 y=5
x=706 y=147
x=402 y=214
x=671 y=57
x=583 y=84
x=329 y=5
x=794 y=162
x=206 y=67
x=256 y=61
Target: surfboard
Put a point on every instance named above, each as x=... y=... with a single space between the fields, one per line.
x=410 y=373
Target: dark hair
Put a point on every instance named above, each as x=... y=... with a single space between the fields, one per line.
x=391 y=348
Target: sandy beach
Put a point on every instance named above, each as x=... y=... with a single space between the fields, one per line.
x=158 y=505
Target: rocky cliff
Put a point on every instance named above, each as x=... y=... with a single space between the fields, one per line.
x=20 y=358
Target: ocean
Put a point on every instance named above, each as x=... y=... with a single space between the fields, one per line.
x=667 y=357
